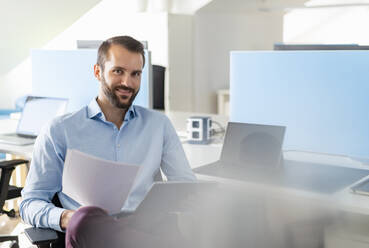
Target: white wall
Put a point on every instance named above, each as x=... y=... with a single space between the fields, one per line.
x=108 y=18
x=188 y=7
x=27 y=24
x=194 y=48
x=179 y=84
x=215 y=35
x=343 y=25
x=14 y=84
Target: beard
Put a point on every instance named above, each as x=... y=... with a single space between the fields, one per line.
x=114 y=99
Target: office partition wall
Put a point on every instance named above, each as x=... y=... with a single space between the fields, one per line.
x=69 y=74
x=321 y=96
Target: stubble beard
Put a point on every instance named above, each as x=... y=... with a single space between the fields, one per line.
x=114 y=99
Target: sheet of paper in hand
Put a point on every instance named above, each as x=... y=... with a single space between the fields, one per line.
x=93 y=181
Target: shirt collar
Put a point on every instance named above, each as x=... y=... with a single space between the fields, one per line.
x=94 y=110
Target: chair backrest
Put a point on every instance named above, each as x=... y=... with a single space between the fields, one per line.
x=4 y=184
x=56 y=201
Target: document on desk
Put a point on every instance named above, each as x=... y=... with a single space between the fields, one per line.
x=92 y=181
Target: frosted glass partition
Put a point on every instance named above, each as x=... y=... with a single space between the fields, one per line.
x=69 y=74
x=321 y=96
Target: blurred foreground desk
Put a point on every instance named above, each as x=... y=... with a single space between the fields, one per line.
x=290 y=217
x=343 y=198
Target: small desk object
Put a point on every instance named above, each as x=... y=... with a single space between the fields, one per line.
x=361 y=188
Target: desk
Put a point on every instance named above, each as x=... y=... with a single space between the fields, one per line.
x=344 y=199
x=199 y=155
x=303 y=213
x=306 y=207
x=9 y=126
x=203 y=154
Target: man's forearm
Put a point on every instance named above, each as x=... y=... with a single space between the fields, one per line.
x=41 y=213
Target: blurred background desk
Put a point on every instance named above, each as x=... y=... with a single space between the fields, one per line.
x=9 y=126
x=198 y=154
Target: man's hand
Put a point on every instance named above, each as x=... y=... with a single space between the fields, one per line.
x=65 y=218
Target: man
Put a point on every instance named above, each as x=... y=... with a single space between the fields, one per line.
x=110 y=127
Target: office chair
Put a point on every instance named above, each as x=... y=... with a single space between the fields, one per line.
x=48 y=238
x=9 y=192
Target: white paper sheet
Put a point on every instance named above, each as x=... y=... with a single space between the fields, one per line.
x=92 y=181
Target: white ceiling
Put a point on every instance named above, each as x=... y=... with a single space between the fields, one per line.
x=27 y=24
x=235 y=6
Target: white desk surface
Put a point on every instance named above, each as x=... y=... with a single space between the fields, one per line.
x=341 y=200
x=203 y=154
x=9 y=126
x=197 y=154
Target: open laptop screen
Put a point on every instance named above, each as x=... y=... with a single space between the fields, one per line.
x=252 y=144
x=37 y=112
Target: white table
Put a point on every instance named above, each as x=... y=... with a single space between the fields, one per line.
x=203 y=154
x=199 y=155
x=9 y=126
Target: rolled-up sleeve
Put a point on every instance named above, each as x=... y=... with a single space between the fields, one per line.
x=44 y=180
x=174 y=162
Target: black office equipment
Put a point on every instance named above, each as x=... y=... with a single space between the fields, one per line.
x=158 y=86
x=40 y=237
x=8 y=192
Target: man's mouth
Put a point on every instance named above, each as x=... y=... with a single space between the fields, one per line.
x=124 y=91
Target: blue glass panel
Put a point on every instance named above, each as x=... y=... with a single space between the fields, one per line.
x=69 y=74
x=321 y=96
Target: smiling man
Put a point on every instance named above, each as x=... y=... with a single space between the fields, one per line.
x=110 y=127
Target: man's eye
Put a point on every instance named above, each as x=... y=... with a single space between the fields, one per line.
x=117 y=71
x=137 y=74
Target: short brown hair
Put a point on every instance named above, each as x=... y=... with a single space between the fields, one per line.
x=127 y=42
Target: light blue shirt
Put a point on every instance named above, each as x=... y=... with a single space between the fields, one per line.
x=146 y=138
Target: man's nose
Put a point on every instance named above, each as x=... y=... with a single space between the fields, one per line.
x=126 y=81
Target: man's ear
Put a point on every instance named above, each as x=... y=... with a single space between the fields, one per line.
x=97 y=72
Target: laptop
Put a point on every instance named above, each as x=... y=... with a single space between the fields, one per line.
x=164 y=197
x=252 y=147
x=36 y=113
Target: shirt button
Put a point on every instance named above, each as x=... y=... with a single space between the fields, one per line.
x=118 y=145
